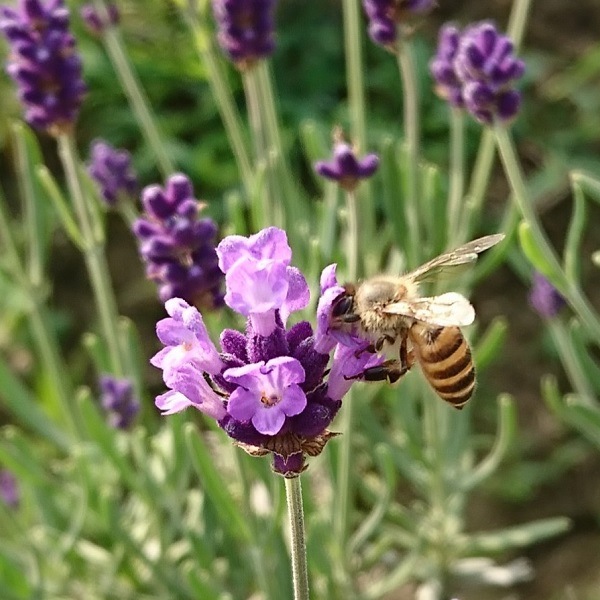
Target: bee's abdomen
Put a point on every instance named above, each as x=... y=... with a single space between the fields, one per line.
x=445 y=359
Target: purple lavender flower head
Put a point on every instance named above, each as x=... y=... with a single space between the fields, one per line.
x=544 y=297
x=269 y=387
x=386 y=17
x=112 y=171
x=447 y=84
x=177 y=246
x=118 y=399
x=477 y=69
x=9 y=489
x=345 y=167
x=44 y=63
x=245 y=29
x=97 y=22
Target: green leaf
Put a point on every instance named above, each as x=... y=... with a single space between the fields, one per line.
x=514 y=537
x=572 y=252
x=490 y=343
x=231 y=517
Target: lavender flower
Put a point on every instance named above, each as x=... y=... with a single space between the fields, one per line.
x=245 y=29
x=119 y=401
x=477 y=69
x=267 y=388
x=111 y=169
x=345 y=167
x=447 y=84
x=44 y=63
x=177 y=246
x=385 y=16
x=9 y=490
x=544 y=297
x=97 y=22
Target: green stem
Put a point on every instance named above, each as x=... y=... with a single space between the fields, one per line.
x=223 y=99
x=352 y=236
x=46 y=343
x=569 y=289
x=93 y=252
x=410 y=87
x=518 y=21
x=353 y=46
x=457 y=175
x=293 y=494
x=137 y=98
x=30 y=212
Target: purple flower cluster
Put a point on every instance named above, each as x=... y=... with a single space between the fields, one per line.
x=245 y=29
x=345 y=167
x=267 y=388
x=385 y=16
x=111 y=169
x=97 y=22
x=44 y=63
x=477 y=70
x=178 y=246
x=118 y=399
x=9 y=489
x=544 y=297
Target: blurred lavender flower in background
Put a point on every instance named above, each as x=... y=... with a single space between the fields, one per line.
x=9 y=489
x=245 y=29
x=477 y=69
x=178 y=246
x=345 y=167
x=118 y=400
x=111 y=169
x=544 y=297
x=96 y=22
x=385 y=17
x=44 y=63
x=268 y=388
x=447 y=84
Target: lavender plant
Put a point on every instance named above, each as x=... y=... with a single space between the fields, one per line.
x=132 y=505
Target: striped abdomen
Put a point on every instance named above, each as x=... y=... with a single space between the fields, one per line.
x=445 y=359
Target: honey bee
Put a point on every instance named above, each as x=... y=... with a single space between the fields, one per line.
x=389 y=311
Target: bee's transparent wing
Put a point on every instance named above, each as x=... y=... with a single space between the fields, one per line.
x=447 y=310
x=459 y=256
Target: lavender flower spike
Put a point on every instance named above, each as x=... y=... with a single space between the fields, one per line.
x=345 y=167
x=386 y=16
x=44 y=63
x=177 y=246
x=488 y=70
x=447 y=84
x=111 y=169
x=118 y=400
x=245 y=29
x=544 y=297
x=9 y=490
x=97 y=22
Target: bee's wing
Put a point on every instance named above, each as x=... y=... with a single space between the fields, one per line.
x=459 y=256
x=447 y=310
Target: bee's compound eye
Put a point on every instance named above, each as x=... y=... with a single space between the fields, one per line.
x=342 y=306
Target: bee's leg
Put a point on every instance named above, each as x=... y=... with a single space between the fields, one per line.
x=390 y=370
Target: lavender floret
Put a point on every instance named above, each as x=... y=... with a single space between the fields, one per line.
x=118 y=399
x=97 y=22
x=544 y=297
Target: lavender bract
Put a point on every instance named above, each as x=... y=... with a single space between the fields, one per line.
x=477 y=69
x=97 y=22
x=245 y=29
x=44 y=63
x=386 y=17
x=267 y=388
x=111 y=169
x=118 y=399
x=345 y=167
x=178 y=246
x=544 y=297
